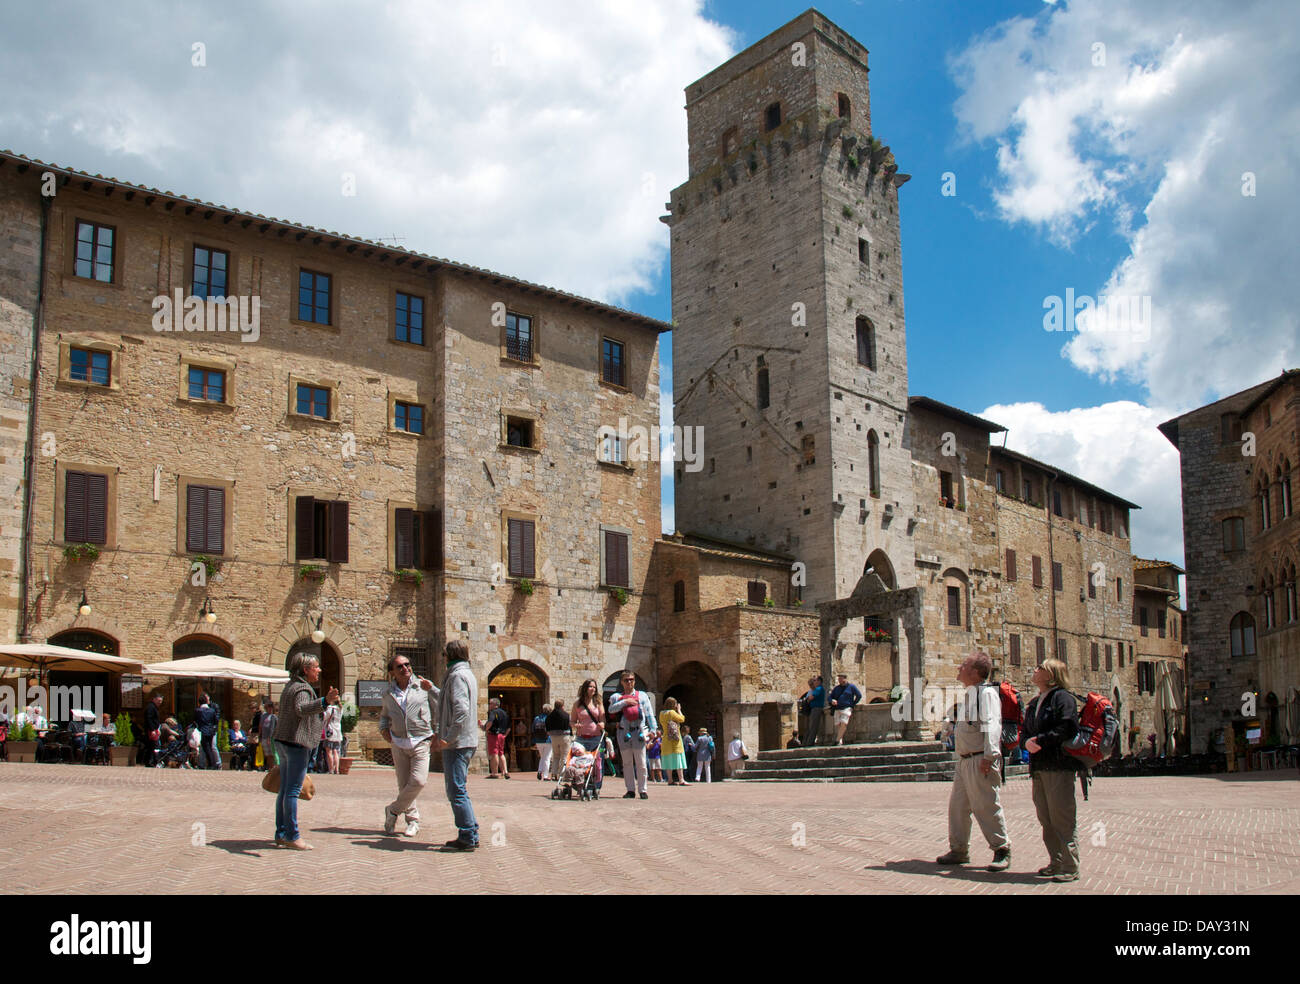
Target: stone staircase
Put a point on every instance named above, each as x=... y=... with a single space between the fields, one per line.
x=894 y=761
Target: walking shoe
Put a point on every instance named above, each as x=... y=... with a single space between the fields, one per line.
x=629 y=795
x=390 y=821
x=1066 y=876
x=506 y=776
x=412 y=828
x=302 y=845
x=492 y=775
x=1001 y=860
x=952 y=858
x=645 y=796
x=1047 y=872
x=460 y=845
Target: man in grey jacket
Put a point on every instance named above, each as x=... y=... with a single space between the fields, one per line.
x=457 y=739
x=406 y=722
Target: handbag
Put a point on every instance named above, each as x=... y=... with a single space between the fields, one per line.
x=271 y=783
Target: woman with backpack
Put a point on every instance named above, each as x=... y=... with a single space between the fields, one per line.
x=1051 y=720
x=671 y=750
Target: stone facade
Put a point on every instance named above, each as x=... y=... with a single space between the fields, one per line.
x=1161 y=652
x=1239 y=459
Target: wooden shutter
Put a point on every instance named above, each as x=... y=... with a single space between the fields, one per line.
x=954 y=605
x=1038 y=571
x=1011 y=565
x=196 y=526
x=621 y=568
x=216 y=528
x=304 y=513
x=679 y=596
x=1040 y=647
x=431 y=539
x=338 y=540
x=529 y=549
x=1014 y=648
x=521 y=547
x=97 y=509
x=757 y=593
x=1093 y=653
x=74 y=507
x=405 y=531
x=514 y=547
x=1058 y=577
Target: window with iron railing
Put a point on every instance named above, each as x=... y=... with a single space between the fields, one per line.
x=519 y=337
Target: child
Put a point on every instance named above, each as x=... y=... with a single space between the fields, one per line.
x=653 y=757
x=579 y=763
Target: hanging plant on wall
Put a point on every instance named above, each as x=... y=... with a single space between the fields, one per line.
x=526 y=587
x=619 y=595
x=81 y=551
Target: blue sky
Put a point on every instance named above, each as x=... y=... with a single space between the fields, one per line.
x=1143 y=150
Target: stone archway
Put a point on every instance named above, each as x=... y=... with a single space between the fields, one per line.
x=521 y=686
x=338 y=638
x=698 y=689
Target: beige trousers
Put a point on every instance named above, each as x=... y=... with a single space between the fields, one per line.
x=559 y=753
x=412 y=774
x=1054 y=801
x=979 y=794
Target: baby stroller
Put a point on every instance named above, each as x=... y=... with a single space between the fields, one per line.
x=581 y=774
x=175 y=750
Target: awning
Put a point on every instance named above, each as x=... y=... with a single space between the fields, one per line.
x=43 y=657
x=216 y=667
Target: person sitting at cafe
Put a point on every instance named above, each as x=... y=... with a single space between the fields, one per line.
x=238 y=746
x=106 y=726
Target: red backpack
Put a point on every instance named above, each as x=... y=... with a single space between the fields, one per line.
x=1098 y=727
x=1013 y=717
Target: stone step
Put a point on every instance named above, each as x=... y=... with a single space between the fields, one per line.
x=852 y=761
x=875 y=749
x=935 y=775
x=830 y=771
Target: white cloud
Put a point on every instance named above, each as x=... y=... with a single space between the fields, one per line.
x=1156 y=140
x=508 y=135
x=1115 y=446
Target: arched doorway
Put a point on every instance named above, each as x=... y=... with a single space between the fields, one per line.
x=185 y=692
x=331 y=667
x=95 y=684
x=874 y=625
x=698 y=690
x=521 y=688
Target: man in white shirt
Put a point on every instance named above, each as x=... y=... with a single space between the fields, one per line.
x=407 y=723
x=736 y=755
x=978 y=781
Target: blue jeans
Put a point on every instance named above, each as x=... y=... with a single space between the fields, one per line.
x=293 y=770
x=455 y=773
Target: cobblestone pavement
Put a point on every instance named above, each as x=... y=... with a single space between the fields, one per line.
x=88 y=830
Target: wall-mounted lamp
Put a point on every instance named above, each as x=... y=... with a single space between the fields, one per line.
x=208 y=612
x=84 y=607
x=318 y=634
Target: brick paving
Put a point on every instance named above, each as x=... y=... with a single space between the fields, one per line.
x=88 y=830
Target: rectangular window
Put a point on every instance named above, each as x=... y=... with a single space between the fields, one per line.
x=764 y=390
x=945 y=489
x=1001 y=479
x=210 y=268
x=1038 y=571
x=1028 y=490
x=207 y=384
x=809 y=449
x=1040 y=649
x=954 y=606
x=1011 y=565
x=1013 y=649
x=95 y=245
x=1061 y=651
x=1230 y=428
x=521 y=535
x=1146 y=677
x=314 y=297
x=1142 y=620
x=313 y=401
x=616 y=567
x=757 y=593
x=1234 y=534
x=519 y=337
x=519 y=432
x=408 y=417
x=1058 y=577
x=408 y=319
x=864 y=253
x=1056 y=502
x=85 y=508
x=611 y=362
x=679 y=596
x=1110 y=663
x=89 y=366
x=772 y=117
x=612 y=450
x=1096 y=658
x=1092 y=583
x=1119 y=589
x=205 y=519
x=321 y=529
x=418 y=539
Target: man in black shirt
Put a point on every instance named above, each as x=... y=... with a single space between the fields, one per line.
x=498 y=729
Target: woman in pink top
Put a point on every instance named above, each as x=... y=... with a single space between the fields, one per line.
x=588 y=716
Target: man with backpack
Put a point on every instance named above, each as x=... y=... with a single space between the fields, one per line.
x=977 y=784
x=844 y=698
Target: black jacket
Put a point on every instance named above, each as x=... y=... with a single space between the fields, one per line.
x=151 y=718
x=558 y=720
x=205 y=718
x=1053 y=719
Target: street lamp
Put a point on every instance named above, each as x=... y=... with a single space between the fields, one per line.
x=208 y=612
x=84 y=607
x=318 y=634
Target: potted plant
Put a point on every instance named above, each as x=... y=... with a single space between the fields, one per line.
x=81 y=551
x=526 y=587
x=311 y=572
x=223 y=743
x=210 y=565
x=409 y=574
x=348 y=725
x=123 y=750
x=619 y=595
x=769 y=602
x=23 y=747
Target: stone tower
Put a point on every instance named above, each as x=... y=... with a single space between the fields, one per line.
x=789 y=347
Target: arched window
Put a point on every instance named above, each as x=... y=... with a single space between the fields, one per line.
x=843 y=106
x=1264 y=511
x=772 y=116
x=1284 y=480
x=873 y=463
x=957 y=605
x=1242 y=635
x=728 y=145
x=866 y=338
x=1289 y=589
x=764 y=394
x=1270 y=612
x=679 y=596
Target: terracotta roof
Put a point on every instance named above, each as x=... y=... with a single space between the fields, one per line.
x=724 y=548
x=1146 y=565
x=71 y=175
x=926 y=403
x=1095 y=489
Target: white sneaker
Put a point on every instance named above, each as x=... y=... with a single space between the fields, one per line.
x=390 y=821
x=412 y=828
